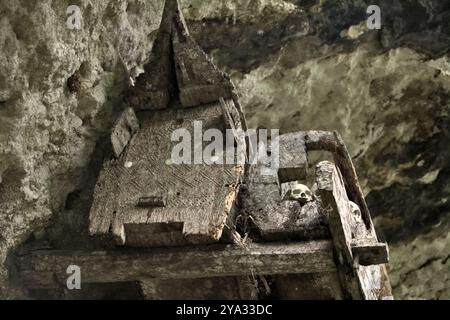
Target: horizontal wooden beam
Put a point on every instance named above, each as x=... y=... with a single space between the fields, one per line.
x=48 y=268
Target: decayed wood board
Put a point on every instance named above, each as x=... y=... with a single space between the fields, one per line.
x=194 y=199
x=125 y=127
x=293 y=158
x=40 y=269
x=334 y=200
x=177 y=59
x=360 y=282
x=199 y=80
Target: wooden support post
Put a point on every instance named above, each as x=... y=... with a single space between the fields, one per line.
x=47 y=269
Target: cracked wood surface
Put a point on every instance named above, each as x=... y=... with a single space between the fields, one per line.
x=47 y=268
x=197 y=197
x=332 y=142
x=359 y=281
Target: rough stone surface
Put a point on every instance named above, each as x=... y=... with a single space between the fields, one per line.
x=298 y=65
x=48 y=133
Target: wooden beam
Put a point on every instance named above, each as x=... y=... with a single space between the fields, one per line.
x=124 y=129
x=360 y=280
x=332 y=142
x=197 y=196
x=47 y=269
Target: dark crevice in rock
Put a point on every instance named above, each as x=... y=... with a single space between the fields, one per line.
x=426 y=264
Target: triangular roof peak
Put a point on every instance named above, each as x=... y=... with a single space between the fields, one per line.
x=178 y=69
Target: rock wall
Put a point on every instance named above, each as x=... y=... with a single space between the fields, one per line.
x=299 y=64
x=48 y=132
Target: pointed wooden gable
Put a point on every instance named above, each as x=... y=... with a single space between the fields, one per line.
x=142 y=198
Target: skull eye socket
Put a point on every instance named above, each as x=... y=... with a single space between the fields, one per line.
x=296 y=192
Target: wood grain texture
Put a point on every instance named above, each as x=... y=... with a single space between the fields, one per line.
x=293 y=158
x=199 y=80
x=198 y=196
x=359 y=282
x=40 y=269
x=332 y=142
x=182 y=69
x=124 y=129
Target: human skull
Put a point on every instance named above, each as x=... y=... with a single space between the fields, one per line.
x=358 y=227
x=354 y=208
x=299 y=192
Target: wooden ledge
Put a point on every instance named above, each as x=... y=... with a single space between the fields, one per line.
x=47 y=268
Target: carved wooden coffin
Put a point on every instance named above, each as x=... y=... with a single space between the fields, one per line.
x=143 y=198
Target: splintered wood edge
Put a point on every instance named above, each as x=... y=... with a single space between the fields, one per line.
x=47 y=269
x=123 y=130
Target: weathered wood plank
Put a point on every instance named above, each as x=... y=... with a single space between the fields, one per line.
x=124 y=129
x=360 y=282
x=39 y=269
x=335 y=202
x=199 y=80
x=292 y=154
x=198 y=196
